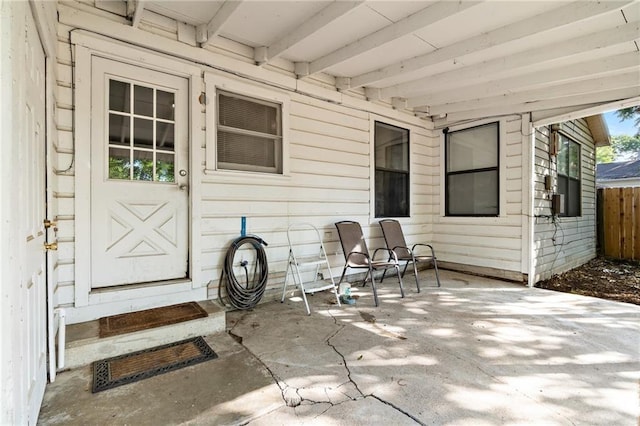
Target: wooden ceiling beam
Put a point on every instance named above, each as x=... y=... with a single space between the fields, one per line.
x=309 y=27
x=408 y=25
x=206 y=33
x=561 y=90
x=601 y=66
x=501 y=67
x=564 y=15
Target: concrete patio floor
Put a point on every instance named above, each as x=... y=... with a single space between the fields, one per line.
x=476 y=351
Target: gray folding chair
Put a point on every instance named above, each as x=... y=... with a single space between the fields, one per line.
x=394 y=238
x=356 y=255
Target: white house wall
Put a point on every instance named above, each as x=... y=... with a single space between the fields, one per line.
x=488 y=245
x=329 y=166
x=564 y=242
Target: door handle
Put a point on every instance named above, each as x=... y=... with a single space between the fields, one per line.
x=182 y=187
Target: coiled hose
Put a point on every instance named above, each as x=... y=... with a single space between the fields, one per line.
x=247 y=296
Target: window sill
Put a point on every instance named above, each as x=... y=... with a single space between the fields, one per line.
x=244 y=175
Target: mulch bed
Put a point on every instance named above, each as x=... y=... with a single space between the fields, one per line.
x=605 y=278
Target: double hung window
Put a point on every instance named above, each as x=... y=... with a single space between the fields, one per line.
x=569 y=175
x=392 y=170
x=249 y=134
x=472 y=172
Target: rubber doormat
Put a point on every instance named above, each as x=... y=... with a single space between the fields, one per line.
x=150 y=318
x=121 y=370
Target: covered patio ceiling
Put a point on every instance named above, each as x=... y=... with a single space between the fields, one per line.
x=449 y=60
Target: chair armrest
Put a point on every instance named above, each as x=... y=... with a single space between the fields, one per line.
x=392 y=254
x=366 y=255
x=425 y=245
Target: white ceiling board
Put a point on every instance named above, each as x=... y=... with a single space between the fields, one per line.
x=387 y=54
x=395 y=10
x=354 y=25
x=260 y=23
x=481 y=18
x=191 y=12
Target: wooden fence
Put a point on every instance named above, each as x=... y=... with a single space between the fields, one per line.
x=619 y=222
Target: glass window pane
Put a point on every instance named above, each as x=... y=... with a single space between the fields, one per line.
x=143 y=101
x=119 y=164
x=143 y=133
x=473 y=193
x=165 y=167
x=119 y=96
x=142 y=165
x=474 y=148
x=164 y=105
x=246 y=150
x=392 y=194
x=392 y=147
x=119 y=131
x=164 y=136
x=563 y=157
x=574 y=160
x=248 y=115
x=573 y=203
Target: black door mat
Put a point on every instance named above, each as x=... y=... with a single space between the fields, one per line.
x=121 y=370
x=150 y=318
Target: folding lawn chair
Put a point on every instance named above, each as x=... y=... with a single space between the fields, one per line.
x=394 y=239
x=356 y=255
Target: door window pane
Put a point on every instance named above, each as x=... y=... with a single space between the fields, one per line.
x=142 y=165
x=143 y=101
x=164 y=136
x=165 y=167
x=119 y=164
x=143 y=133
x=165 y=105
x=119 y=96
x=141 y=142
x=119 y=130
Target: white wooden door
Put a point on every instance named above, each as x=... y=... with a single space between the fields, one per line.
x=139 y=175
x=32 y=333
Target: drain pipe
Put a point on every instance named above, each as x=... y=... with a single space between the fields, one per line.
x=62 y=329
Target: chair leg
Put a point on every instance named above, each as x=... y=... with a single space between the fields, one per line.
x=400 y=281
x=284 y=285
x=415 y=272
x=405 y=267
x=373 y=285
x=383 y=274
x=435 y=266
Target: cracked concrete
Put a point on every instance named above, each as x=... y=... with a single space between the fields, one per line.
x=474 y=352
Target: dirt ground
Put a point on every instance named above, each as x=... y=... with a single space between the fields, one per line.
x=605 y=278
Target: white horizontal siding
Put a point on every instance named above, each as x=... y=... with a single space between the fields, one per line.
x=566 y=242
x=487 y=242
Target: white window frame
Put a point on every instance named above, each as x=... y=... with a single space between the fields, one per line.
x=215 y=83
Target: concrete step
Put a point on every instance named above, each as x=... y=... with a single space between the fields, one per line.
x=84 y=346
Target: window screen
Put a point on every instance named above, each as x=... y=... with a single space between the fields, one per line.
x=249 y=134
x=472 y=178
x=392 y=171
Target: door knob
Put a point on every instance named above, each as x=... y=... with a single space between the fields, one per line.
x=182 y=172
x=182 y=187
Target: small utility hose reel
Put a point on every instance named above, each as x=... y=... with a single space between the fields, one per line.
x=248 y=295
